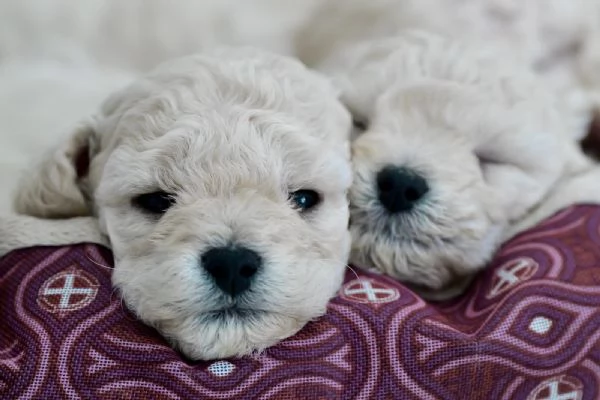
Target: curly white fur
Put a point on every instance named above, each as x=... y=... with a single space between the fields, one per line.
x=487 y=136
x=230 y=133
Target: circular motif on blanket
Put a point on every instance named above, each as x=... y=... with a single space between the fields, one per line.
x=69 y=290
x=562 y=387
x=511 y=273
x=369 y=291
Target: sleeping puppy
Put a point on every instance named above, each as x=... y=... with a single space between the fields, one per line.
x=457 y=147
x=220 y=180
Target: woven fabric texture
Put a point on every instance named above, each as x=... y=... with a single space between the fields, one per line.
x=528 y=328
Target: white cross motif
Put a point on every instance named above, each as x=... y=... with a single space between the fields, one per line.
x=66 y=291
x=369 y=291
x=511 y=273
x=561 y=388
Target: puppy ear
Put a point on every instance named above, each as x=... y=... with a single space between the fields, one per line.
x=55 y=187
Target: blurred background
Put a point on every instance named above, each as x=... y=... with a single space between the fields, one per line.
x=60 y=58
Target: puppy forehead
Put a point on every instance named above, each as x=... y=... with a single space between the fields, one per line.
x=246 y=77
x=429 y=145
x=218 y=149
x=208 y=139
x=254 y=122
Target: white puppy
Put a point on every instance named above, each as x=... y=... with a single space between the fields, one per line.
x=458 y=147
x=221 y=181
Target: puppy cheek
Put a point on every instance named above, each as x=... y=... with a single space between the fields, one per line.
x=158 y=287
x=346 y=246
x=123 y=279
x=333 y=230
x=327 y=280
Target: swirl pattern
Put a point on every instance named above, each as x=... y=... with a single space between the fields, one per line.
x=527 y=328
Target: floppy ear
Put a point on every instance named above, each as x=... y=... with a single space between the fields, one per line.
x=56 y=186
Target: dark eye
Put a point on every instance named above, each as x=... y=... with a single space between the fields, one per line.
x=360 y=124
x=304 y=200
x=488 y=165
x=155 y=202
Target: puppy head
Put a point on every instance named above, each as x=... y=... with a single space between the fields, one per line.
x=439 y=174
x=458 y=145
x=221 y=182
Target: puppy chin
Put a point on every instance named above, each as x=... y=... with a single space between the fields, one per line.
x=436 y=272
x=229 y=333
x=204 y=323
x=450 y=291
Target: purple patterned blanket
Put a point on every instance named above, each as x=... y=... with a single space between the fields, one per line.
x=528 y=328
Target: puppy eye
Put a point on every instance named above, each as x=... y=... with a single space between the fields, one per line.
x=360 y=124
x=155 y=202
x=304 y=200
x=486 y=163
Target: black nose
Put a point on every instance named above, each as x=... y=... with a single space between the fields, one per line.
x=400 y=188
x=233 y=268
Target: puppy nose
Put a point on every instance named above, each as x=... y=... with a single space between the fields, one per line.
x=400 y=188
x=232 y=268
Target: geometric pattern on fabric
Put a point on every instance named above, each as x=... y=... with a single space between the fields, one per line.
x=527 y=328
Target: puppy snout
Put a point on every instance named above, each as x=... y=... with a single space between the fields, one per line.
x=232 y=268
x=400 y=188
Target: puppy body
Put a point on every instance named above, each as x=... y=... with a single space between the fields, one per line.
x=556 y=39
x=229 y=135
x=541 y=33
x=486 y=139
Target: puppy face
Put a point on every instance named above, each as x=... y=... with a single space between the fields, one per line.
x=451 y=154
x=221 y=182
x=422 y=208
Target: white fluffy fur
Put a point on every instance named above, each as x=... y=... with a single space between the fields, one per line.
x=540 y=32
x=558 y=39
x=230 y=133
x=487 y=135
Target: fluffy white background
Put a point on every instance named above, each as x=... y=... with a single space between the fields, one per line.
x=60 y=58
